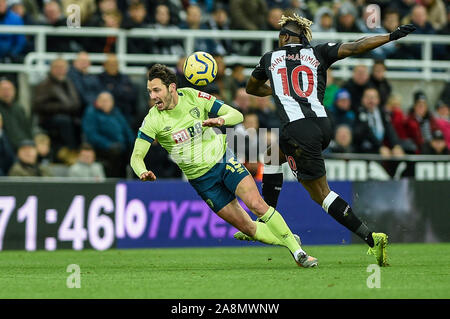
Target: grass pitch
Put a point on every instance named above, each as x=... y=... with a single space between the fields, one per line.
x=416 y=271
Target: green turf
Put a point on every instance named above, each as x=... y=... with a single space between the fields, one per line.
x=416 y=271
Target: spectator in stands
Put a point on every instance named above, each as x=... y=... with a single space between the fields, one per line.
x=11 y=45
x=397 y=117
x=53 y=16
x=373 y=131
x=436 y=12
x=391 y=22
x=234 y=81
x=162 y=22
x=242 y=100
x=43 y=147
x=420 y=123
x=174 y=9
x=342 y=142
x=7 y=156
x=219 y=81
x=323 y=20
x=103 y=7
x=87 y=9
x=299 y=7
x=136 y=19
x=341 y=112
x=331 y=90
x=404 y=7
x=88 y=85
x=122 y=89
x=437 y=145
x=27 y=164
x=283 y=4
x=58 y=106
x=219 y=21
x=30 y=17
x=248 y=15
x=17 y=126
x=107 y=130
x=273 y=19
x=346 y=18
x=265 y=109
x=378 y=80
x=368 y=24
x=194 y=22
x=357 y=84
x=86 y=166
x=419 y=18
x=442 y=116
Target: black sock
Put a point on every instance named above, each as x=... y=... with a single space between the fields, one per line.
x=271 y=187
x=342 y=212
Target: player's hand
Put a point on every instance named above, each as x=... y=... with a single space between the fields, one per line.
x=217 y=121
x=402 y=31
x=148 y=176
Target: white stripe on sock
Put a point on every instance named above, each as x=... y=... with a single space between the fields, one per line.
x=273 y=169
x=329 y=200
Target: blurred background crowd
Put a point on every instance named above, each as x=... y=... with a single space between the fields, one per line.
x=88 y=122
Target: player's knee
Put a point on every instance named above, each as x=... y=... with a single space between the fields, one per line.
x=257 y=205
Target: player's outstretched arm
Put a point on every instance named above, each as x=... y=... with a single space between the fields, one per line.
x=140 y=149
x=258 y=87
x=227 y=116
x=369 y=43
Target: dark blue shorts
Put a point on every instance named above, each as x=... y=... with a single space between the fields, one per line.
x=218 y=186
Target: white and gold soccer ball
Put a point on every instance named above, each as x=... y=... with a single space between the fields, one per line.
x=200 y=68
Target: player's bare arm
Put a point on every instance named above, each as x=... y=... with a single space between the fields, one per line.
x=258 y=87
x=369 y=43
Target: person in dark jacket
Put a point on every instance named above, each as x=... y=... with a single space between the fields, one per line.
x=107 y=130
x=27 y=162
x=16 y=124
x=373 y=132
x=378 y=80
x=7 y=156
x=57 y=104
x=341 y=112
x=121 y=88
x=357 y=84
x=88 y=85
x=437 y=145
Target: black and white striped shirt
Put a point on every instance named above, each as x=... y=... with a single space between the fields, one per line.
x=298 y=77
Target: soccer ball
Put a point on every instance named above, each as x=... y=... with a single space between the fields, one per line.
x=200 y=68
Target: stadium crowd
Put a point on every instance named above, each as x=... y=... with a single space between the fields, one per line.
x=89 y=121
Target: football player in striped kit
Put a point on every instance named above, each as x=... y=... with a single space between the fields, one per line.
x=297 y=74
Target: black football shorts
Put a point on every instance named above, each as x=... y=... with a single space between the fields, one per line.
x=302 y=142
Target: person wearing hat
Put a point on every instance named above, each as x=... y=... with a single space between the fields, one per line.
x=346 y=18
x=341 y=109
x=437 y=145
x=420 y=123
x=27 y=161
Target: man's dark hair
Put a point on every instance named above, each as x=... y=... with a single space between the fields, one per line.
x=86 y=147
x=162 y=72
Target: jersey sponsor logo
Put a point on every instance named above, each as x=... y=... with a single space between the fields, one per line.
x=204 y=95
x=188 y=133
x=180 y=136
x=195 y=113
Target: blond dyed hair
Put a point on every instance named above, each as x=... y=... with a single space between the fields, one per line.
x=303 y=24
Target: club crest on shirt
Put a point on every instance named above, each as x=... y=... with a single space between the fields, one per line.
x=195 y=113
